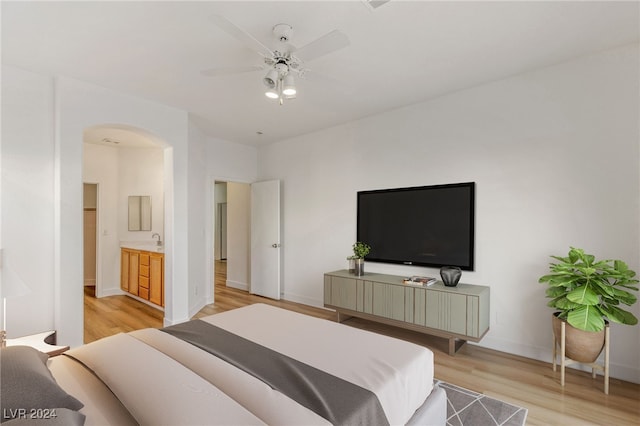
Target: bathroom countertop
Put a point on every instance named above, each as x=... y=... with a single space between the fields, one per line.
x=142 y=245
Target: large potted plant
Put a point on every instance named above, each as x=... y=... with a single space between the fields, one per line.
x=360 y=251
x=586 y=294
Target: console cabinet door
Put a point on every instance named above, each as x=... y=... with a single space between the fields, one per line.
x=446 y=311
x=344 y=293
x=388 y=301
x=420 y=304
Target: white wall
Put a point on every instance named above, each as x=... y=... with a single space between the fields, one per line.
x=230 y=162
x=27 y=227
x=100 y=166
x=239 y=235
x=199 y=281
x=48 y=117
x=554 y=153
x=140 y=172
x=44 y=119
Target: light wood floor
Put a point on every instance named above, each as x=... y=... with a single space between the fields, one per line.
x=521 y=381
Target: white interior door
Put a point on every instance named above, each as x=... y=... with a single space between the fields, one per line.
x=265 y=239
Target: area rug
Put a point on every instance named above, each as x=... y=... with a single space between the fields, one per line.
x=468 y=408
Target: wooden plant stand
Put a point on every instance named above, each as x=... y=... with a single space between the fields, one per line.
x=564 y=361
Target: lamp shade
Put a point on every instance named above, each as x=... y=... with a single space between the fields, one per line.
x=270 y=80
x=288 y=86
x=272 y=93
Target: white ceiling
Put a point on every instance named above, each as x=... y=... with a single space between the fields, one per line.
x=402 y=53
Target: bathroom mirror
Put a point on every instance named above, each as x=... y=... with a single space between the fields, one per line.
x=139 y=213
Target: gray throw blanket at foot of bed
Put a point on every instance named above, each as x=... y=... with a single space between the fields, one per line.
x=337 y=400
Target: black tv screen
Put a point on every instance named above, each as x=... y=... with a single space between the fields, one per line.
x=426 y=226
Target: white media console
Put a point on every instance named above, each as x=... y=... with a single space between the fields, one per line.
x=459 y=313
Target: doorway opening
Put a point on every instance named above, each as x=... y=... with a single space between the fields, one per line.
x=248 y=215
x=90 y=232
x=232 y=235
x=123 y=164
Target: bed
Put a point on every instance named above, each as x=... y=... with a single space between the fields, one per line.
x=212 y=371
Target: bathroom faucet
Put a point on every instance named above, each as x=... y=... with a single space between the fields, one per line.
x=159 y=242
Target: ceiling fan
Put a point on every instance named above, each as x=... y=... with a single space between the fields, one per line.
x=281 y=63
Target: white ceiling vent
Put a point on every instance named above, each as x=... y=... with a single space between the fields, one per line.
x=374 y=4
x=110 y=141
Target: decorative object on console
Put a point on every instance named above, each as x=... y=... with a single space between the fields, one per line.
x=352 y=264
x=419 y=281
x=587 y=294
x=360 y=251
x=450 y=275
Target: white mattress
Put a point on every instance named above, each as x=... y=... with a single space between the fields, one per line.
x=398 y=372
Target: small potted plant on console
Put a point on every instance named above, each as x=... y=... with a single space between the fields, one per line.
x=360 y=250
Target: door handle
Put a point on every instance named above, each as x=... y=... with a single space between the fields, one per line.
x=275 y=245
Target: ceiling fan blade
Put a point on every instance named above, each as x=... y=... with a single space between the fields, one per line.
x=326 y=44
x=239 y=34
x=214 y=72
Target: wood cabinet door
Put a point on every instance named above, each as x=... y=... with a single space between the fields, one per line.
x=124 y=269
x=344 y=293
x=156 y=279
x=388 y=301
x=446 y=311
x=134 y=268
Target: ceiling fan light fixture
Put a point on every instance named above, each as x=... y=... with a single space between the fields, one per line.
x=271 y=79
x=272 y=93
x=288 y=86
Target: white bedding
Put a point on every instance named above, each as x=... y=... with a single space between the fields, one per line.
x=398 y=372
x=161 y=379
x=155 y=389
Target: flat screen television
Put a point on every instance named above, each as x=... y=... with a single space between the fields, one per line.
x=426 y=225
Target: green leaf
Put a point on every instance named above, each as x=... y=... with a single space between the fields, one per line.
x=583 y=296
x=562 y=303
x=619 y=315
x=575 y=254
x=587 y=270
x=603 y=289
x=620 y=266
x=555 y=292
x=630 y=287
x=625 y=297
x=587 y=318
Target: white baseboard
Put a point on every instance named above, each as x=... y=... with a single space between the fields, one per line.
x=238 y=285
x=146 y=302
x=110 y=292
x=166 y=322
x=545 y=354
x=292 y=297
x=199 y=304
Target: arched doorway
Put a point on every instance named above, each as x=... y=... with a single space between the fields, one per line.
x=122 y=162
